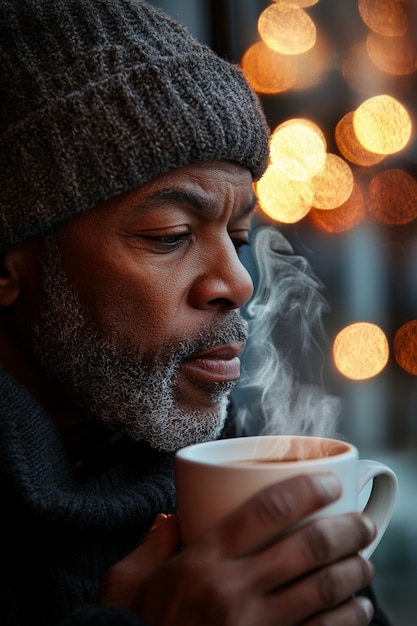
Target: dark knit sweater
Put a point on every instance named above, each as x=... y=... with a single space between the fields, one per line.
x=60 y=531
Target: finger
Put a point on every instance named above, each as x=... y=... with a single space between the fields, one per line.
x=162 y=541
x=323 y=591
x=272 y=511
x=318 y=543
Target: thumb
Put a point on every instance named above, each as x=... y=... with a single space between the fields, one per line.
x=124 y=578
x=163 y=539
x=161 y=542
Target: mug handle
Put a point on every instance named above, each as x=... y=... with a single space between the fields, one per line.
x=381 y=501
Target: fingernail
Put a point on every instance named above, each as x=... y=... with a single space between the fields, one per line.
x=330 y=484
x=159 y=519
x=367 y=606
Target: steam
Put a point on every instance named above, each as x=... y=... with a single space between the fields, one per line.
x=281 y=389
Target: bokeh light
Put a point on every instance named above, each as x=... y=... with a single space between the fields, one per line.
x=281 y=198
x=270 y=72
x=393 y=197
x=311 y=67
x=333 y=184
x=343 y=217
x=298 y=147
x=366 y=78
x=301 y=3
x=382 y=124
x=386 y=17
x=405 y=347
x=394 y=55
x=266 y=70
x=349 y=146
x=287 y=28
x=360 y=351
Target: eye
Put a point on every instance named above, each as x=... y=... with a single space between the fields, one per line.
x=170 y=241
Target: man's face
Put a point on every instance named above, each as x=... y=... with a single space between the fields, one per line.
x=138 y=316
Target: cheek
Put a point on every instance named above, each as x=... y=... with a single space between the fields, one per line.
x=146 y=314
x=130 y=298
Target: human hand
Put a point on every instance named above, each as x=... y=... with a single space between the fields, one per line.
x=249 y=570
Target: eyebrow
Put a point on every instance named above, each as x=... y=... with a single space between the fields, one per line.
x=196 y=200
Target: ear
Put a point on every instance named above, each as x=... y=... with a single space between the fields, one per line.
x=9 y=277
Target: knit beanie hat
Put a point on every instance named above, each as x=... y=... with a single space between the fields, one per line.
x=99 y=96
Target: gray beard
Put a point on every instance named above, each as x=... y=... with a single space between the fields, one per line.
x=130 y=393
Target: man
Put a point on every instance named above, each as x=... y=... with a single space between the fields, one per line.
x=128 y=155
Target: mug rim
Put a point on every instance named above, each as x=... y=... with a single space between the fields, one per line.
x=188 y=453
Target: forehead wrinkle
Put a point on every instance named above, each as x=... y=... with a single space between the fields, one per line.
x=196 y=200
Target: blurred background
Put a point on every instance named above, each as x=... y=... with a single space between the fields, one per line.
x=338 y=82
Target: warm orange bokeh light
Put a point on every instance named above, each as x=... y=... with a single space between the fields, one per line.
x=310 y=67
x=270 y=72
x=386 y=17
x=298 y=148
x=344 y=217
x=281 y=198
x=349 y=146
x=333 y=184
x=286 y=28
x=394 y=55
x=266 y=70
x=382 y=125
x=405 y=347
x=360 y=351
x=393 y=197
x=363 y=75
x=301 y=3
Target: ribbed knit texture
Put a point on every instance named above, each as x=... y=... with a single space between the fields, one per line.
x=98 y=96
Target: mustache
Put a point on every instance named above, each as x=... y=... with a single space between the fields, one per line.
x=230 y=329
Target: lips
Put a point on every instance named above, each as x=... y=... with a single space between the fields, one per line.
x=218 y=364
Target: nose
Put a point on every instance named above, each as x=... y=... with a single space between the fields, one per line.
x=224 y=281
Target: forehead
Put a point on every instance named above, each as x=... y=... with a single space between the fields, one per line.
x=206 y=188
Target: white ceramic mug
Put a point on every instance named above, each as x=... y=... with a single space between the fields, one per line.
x=213 y=478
